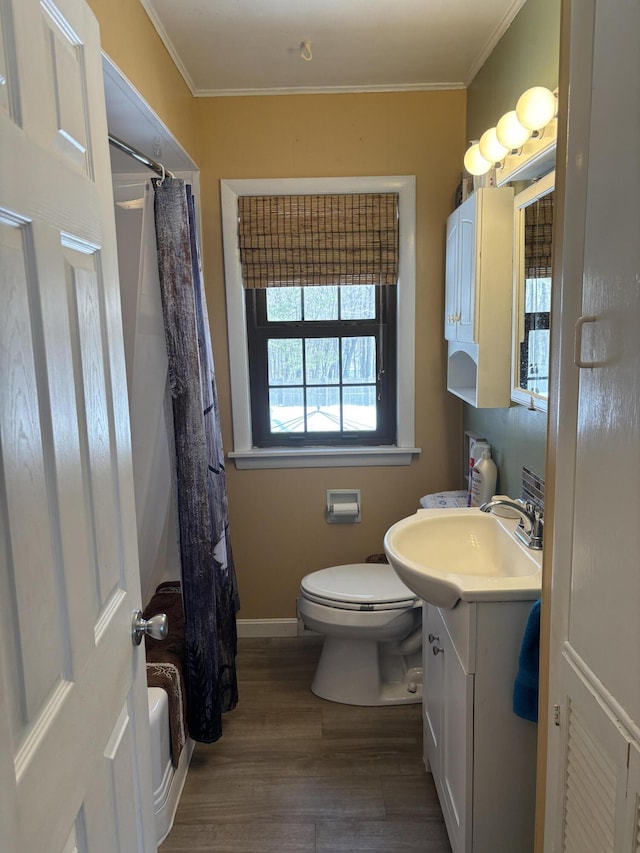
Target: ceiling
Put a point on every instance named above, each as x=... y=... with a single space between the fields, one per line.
x=248 y=47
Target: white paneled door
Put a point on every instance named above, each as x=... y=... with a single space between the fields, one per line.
x=74 y=743
x=593 y=780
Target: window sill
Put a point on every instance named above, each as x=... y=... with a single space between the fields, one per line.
x=322 y=457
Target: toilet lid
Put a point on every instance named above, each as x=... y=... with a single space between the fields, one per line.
x=358 y=586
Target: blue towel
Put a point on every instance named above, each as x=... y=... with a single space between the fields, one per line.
x=525 y=688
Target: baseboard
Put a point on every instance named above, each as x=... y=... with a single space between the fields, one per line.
x=267 y=627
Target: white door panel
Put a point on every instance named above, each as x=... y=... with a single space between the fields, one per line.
x=592 y=781
x=74 y=744
x=605 y=576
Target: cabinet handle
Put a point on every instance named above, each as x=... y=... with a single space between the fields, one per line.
x=577 y=341
x=437 y=650
x=433 y=637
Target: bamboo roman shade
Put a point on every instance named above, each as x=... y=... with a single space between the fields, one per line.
x=301 y=240
x=538 y=237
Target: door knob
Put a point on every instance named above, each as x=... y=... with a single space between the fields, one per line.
x=156 y=627
x=433 y=637
x=437 y=650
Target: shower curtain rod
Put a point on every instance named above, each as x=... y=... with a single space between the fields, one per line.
x=158 y=168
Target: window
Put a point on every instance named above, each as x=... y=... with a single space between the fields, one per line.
x=322 y=365
x=322 y=371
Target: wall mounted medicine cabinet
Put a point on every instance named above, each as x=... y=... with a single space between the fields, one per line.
x=478 y=298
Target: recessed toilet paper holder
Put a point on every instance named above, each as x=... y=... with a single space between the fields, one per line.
x=343 y=506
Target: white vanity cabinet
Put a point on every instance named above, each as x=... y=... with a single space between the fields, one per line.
x=482 y=757
x=478 y=297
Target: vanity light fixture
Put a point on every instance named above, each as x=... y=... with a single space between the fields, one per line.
x=510 y=132
x=474 y=162
x=490 y=146
x=536 y=107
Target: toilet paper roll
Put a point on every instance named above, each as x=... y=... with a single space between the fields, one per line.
x=345 y=509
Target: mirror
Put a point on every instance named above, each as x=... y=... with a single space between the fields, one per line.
x=532 y=293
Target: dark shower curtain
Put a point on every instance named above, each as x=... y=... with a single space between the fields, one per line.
x=208 y=575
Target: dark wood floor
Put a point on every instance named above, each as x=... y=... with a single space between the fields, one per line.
x=297 y=774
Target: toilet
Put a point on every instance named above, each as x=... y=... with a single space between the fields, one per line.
x=372 y=624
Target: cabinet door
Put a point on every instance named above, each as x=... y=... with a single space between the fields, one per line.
x=465 y=327
x=433 y=695
x=460 y=273
x=457 y=748
x=448 y=710
x=452 y=251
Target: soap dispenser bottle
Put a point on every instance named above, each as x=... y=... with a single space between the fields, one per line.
x=483 y=479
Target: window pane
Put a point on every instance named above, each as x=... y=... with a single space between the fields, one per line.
x=537 y=379
x=286 y=410
x=323 y=409
x=359 y=407
x=537 y=295
x=358 y=302
x=359 y=359
x=285 y=361
x=284 y=303
x=322 y=361
x=320 y=303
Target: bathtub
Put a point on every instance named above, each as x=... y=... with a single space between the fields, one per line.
x=167 y=781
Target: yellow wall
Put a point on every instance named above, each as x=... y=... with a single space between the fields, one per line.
x=278 y=528
x=277 y=520
x=131 y=42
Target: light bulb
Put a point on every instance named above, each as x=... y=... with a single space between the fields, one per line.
x=510 y=132
x=475 y=163
x=490 y=148
x=536 y=107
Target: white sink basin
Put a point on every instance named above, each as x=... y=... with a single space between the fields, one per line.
x=444 y=555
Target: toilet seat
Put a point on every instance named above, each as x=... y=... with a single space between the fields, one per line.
x=358 y=586
x=371 y=622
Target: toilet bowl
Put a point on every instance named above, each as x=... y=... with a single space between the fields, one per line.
x=372 y=624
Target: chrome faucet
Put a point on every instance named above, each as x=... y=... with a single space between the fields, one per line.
x=532 y=537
